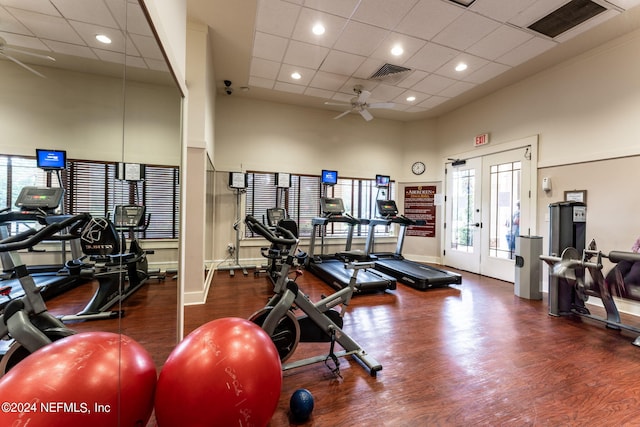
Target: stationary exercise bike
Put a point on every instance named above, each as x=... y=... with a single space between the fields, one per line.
x=320 y=323
x=26 y=319
x=574 y=286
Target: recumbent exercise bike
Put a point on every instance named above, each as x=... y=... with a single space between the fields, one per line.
x=320 y=323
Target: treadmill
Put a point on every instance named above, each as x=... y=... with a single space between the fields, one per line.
x=331 y=267
x=411 y=273
x=37 y=205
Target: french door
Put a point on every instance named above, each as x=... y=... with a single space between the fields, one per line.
x=487 y=205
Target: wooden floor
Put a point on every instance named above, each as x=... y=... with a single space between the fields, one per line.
x=473 y=354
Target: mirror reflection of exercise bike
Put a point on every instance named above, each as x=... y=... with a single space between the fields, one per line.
x=25 y=319
x=320 y=322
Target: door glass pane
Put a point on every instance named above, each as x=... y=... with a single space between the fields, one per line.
x=505 y=209
x=462 y=210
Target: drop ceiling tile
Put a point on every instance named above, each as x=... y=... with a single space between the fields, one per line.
x=415 y=110
x=110 y=56
x=255 y=81
x=264 y=69
x=89 y=31
x=382 y=13
x=90 y=12
x=474 y=63
x=412 y=78
x=499 y=42
x=276 y=17
x=526 y=51
x=587 y=25
x=464 y=31
x=147 y=46
x=157 y=65
x=20 y=41
x=410 y=45
x=136 y=21
x=342 y=8
x=486 y=73
x=305 y=55
x=433 y=84
x=10 y=24
x=288 y=87
x=500 y=10
x=135 y=61
x=319 y=93
x=384 y=92
x=308 y=18
x=285 y=74
x=267 y=46
x=328 y=81
x=38 y=6
x=456 y=89
x=347 y=88
x=120 y=11
x=71 y=49
x=342 y=63
x=360 y=39
x=402 y=98
x=48 y=27
x=434 y=101
x=431 y=57
x=428 y=18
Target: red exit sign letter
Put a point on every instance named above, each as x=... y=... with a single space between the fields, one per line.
x=481 y=139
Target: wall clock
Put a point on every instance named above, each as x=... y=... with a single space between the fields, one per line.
x=418 y=168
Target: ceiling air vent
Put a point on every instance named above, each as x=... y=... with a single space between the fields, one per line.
x=390 y=72
x=566 y=17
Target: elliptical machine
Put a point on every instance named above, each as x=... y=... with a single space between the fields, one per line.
x=320 y=323
x=26 y=319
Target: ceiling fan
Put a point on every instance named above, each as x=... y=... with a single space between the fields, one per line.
x=359 y=104
x=6 y=50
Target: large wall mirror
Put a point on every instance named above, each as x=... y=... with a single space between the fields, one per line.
x=113 y=107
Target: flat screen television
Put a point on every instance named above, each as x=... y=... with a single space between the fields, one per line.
x=383 y=180
x=51 y=159
x=329 y=177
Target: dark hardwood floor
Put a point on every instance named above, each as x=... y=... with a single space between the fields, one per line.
x=473 y=354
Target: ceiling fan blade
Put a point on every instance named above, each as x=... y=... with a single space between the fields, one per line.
x=342 y=115
x=22 y=64
x=382 y=105
x=367 y=115
x=341 y=104
x=24 y=52
x=363 y=96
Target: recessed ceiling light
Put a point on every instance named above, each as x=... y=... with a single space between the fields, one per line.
x=296 y=75
x=318 y=29
x=461 y=66
x=397 y=50
x=103 y=38
x=411 y=98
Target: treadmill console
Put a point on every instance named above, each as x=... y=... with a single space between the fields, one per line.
x=275 y=215
x=331 y=206
x=43 y=198
x=387 y=208
x=128 y=216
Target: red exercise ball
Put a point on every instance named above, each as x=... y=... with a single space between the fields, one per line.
x=225 y=373
x=97 y=379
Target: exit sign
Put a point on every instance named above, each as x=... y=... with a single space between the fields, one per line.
x=481 y=140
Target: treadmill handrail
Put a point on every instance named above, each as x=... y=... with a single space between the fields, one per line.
x=30 y=238
x=259 y=228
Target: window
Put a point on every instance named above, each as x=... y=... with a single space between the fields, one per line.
x=91 y=187
x=301 y=200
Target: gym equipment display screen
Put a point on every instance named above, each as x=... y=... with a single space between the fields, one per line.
x=329 y=177
x=382 y=180
x=51 y=159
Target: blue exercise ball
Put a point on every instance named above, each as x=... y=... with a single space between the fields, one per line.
x=301 y=404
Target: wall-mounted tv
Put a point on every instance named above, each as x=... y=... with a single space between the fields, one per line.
x=383 y=181
x=329 y=177
x=51 y=159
